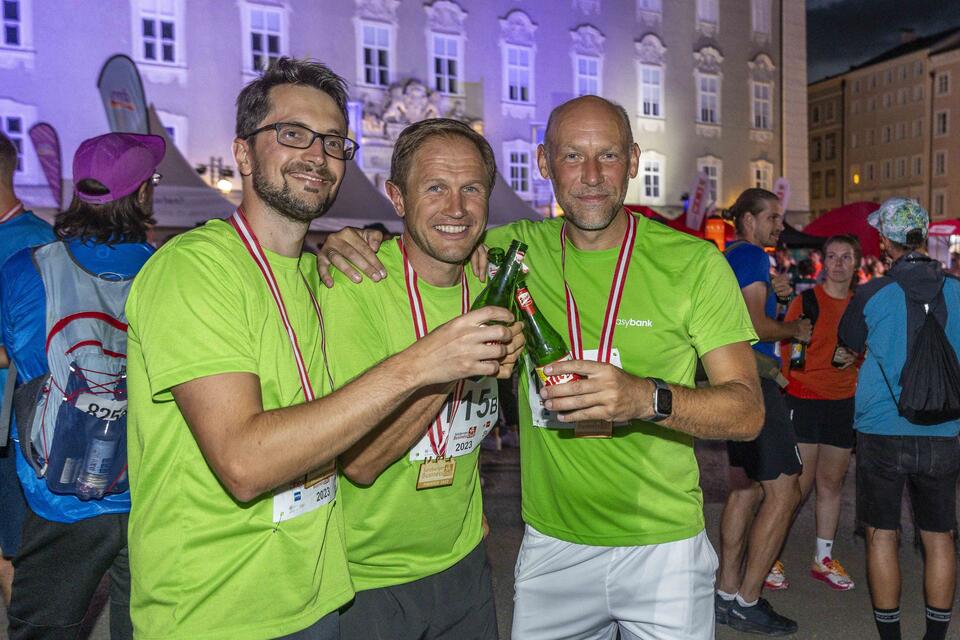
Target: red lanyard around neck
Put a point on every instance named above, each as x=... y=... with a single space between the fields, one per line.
x=11 y=212
x=574 y=329
x=249 y=239
x=438 y=439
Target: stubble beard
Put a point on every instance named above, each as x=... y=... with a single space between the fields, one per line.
x=434 y=252
x=282 y=199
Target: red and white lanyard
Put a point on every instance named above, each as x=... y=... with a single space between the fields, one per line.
x=438 y=439
x=605 y=349
x=249 y=239
x=10 y=213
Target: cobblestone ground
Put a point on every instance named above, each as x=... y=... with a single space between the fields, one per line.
x=821 y=613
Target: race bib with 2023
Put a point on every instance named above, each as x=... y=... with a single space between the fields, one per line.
x=475 y=416
x=305 y=494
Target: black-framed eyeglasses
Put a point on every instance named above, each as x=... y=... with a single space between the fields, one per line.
x=155 y=179
x=300 y=137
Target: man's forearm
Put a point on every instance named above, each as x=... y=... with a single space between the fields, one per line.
x=769 y=330
x=4 y=360
x=394 y=437
x=732 y=410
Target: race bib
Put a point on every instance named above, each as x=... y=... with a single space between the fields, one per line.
x=541 y=416
x=476 y=415
x=318 y=489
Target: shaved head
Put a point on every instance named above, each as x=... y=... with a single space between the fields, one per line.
x=571 y=106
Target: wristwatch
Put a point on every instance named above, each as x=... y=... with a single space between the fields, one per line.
x=662 y=400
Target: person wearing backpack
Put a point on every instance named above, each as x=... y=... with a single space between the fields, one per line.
x=820 y=399
x=63 y=325
x=907 y=413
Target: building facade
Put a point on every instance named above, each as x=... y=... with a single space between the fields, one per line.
x=882 y=129
x=711 y=85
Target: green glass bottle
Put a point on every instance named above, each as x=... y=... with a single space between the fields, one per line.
x=499 y=290
x=495 y=256
x=543 y=344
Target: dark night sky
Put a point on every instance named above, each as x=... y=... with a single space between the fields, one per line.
x=842 y=33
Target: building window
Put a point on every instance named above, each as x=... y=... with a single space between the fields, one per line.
x=855 y=107
x=939 y=204
x=901 y=167
x=518 y=162
x=16 y=119
x=918 y=128
x=15 y=129
x=871 y=105
x=887 y=170
x=887 y=100
x=176 y=127
x=901 y=130
x=940 y=120
x=708 y=11
x=830 y=183
x=712 y=168
x=903 y=72
x=447 y=63
x=761 y=105
x=519 y=74
x=816 y=150
x=815 y=114
x=265 y=36
x=903 y=96
x=943 y=83
x=651 y=89
x=12 y=23
x=888 y=76
x=762 y=173
x=917 y=166
x=649 y=6
x=828 y=112
x=887 y=133
x=587 y=75
x=158 y=31
x=376 y=54
x=918 y=68
x=760 y=15
x=816 y=184
x=874 y=81
x=853 y=140
x=708 y=99
x=870 y=170
x=856 y=85
x=830 y=147
x=652 y=167
x=940 y=163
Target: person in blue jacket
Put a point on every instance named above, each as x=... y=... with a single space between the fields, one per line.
x=19 y=229
x=70 y=544
x=891 y=451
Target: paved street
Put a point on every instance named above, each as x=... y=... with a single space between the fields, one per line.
x=822 y=613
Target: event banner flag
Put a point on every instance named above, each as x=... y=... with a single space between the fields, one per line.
x=782 y=188
x=697 y=208
x=47 y=145
x=122 y=93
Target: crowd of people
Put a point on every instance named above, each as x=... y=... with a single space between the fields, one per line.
x=254 y=441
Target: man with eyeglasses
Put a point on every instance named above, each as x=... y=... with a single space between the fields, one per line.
x=55 y=299
x=236 y=530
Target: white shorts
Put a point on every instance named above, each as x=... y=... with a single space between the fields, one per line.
x=567 y=591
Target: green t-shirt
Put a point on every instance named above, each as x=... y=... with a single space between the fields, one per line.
x=202 y=564
x=680 y=300
x=396 y=534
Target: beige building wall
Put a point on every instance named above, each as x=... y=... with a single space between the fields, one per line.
x=945 y=131
x=826 y=118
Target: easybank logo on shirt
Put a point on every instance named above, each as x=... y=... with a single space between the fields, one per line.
x=633 y=322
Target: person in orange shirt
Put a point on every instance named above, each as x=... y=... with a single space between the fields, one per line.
x=820 y=400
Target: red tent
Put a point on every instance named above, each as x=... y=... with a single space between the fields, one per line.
x=852 y=219
x=945 y=228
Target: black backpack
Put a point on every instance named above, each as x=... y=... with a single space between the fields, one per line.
x=930 y=378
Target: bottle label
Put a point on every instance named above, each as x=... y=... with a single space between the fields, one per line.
x=519 y=256
x=558 y=379
x=492 y=270
x=525 y=300
x=99 y=457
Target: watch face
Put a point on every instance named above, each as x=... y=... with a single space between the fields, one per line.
x=664 y=402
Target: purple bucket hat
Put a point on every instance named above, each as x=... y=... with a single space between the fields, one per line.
x=119 y=161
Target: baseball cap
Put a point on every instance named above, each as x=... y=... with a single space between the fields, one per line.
x=898 y=216
x=119 y=161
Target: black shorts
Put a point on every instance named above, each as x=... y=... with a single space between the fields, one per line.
x=458 y=600
x=822 y=421
x=774 y=451
x=928 y=465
